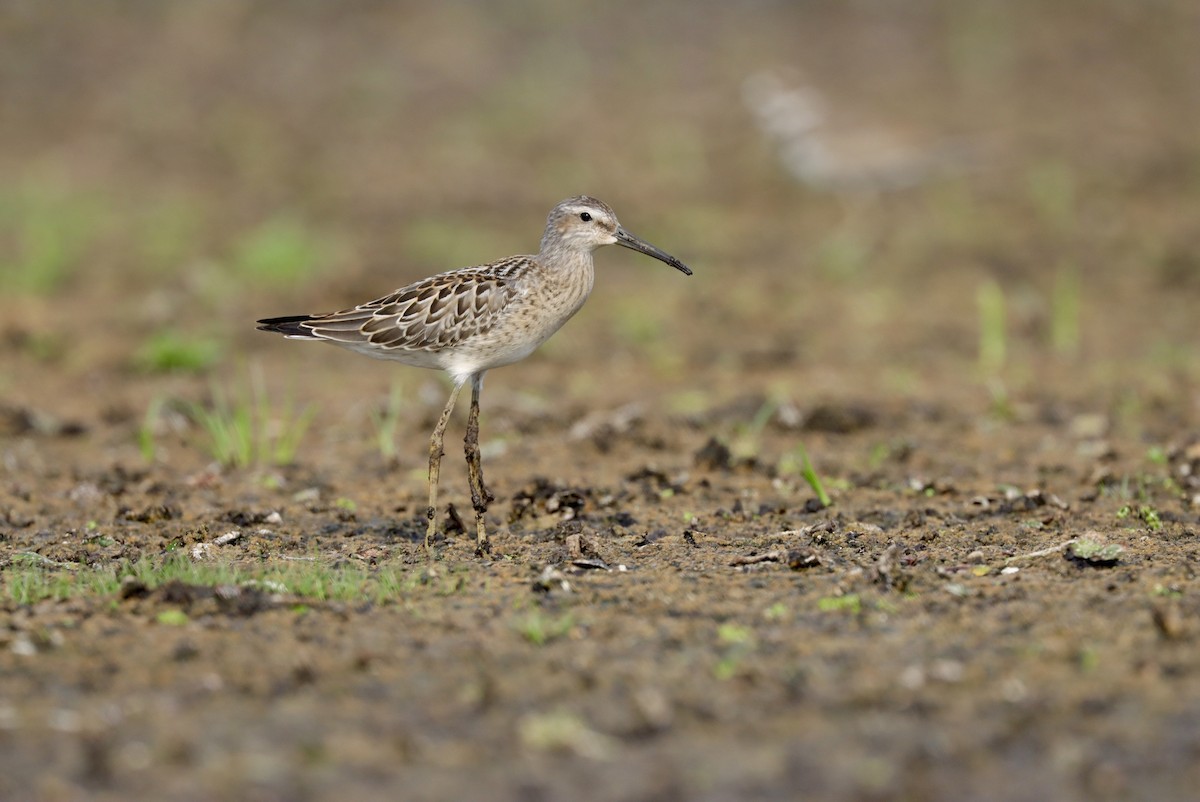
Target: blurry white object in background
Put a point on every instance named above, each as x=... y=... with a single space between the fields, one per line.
x=845 y=160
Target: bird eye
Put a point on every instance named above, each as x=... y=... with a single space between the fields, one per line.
x=585 y=217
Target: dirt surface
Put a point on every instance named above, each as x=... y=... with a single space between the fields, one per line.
x=1000 y=602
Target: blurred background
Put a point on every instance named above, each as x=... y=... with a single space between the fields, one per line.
x=981 y=201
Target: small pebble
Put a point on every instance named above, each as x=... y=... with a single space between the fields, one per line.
x=22 y=646
x=227 y=538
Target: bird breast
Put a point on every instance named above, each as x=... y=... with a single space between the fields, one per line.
x=550 y=301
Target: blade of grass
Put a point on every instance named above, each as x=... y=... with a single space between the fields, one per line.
x=809 y=473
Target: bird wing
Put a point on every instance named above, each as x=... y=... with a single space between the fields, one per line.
x=430 y=315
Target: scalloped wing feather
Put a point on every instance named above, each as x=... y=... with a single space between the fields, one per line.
x=429 y=315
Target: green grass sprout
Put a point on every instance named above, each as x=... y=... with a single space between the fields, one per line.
x=993 y=336
x=170 y=351
x=798 y=461
x=244 y=429
x=1064 y=312
x=387 y=422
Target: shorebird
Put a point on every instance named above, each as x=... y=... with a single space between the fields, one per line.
x=466 y=322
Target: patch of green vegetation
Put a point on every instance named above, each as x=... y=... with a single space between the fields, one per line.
x=776 y=612
x=689 y=402
x=176 y=566
x=392 y=583
x=880 y=453
x=729 y=633
x=1157 y=455
x=146 y=439
x=848 y=603
x=31 y=578
x=319 y=581
x=229 y=429
x=1093 y=551
x=387 y=421
x=1064 y=312
x=1147 y=514
x=310 y=579
x=888 y=607
x=1122 y=489
x=1089 y=659
x=539 y=628
x=797 y=461
x=245 y=430
x=738 y=643
x=993 y=332
x=170 y=351
x=1151 y=518
x=271 y=481
x=1000 y=405
x=29 y=585
x=747 y=439
x=44 y=234
x=1167 y=483
x=1167 y=592
x=280 y=252
x=172 y=618
x=452 y=584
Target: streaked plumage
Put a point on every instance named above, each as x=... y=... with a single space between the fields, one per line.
x=468 y=321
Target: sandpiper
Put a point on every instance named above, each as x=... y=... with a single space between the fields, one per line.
x=467 y=321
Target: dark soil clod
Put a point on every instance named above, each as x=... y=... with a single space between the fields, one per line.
x=713 y=456
x=544 y=497
x=802 y=558
x=839 y=418
x=454 y=522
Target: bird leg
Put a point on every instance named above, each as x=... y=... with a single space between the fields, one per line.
x=435 y=464
x=480 y=497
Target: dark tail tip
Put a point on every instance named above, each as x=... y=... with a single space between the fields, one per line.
x=290 y=325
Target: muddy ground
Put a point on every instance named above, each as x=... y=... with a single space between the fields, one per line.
x=1000 y=601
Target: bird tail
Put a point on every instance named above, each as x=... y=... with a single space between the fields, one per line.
x=290 y=326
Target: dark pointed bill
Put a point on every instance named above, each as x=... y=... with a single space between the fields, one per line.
x=641 y=246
